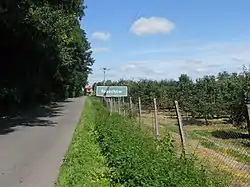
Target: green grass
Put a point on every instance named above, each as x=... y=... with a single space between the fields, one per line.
x=199 y=134
x=171 y=127
x=224 y=145
x=135 y=160
x=111 y=150
x=84 y=165
x=238 y=156
x=224 y=149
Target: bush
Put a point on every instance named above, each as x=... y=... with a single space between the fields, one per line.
x=84 y=165
x=134 y=159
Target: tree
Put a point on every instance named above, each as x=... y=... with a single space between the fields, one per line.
x=47 y=55
x=224 y=95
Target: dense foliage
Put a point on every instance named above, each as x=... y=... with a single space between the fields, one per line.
x=224 y=95
x=134 y=159
x=84 y=165
x=45 y=54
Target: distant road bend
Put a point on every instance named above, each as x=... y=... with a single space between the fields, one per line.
x=32 y=146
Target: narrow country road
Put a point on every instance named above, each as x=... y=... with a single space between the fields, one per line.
x=32 y=146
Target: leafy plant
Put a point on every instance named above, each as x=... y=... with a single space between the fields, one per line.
x=84 y=165
x=135 y=160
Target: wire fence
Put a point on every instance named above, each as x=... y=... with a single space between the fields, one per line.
x=219 y=145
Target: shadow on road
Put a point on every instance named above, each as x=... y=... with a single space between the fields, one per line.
x=39 y=116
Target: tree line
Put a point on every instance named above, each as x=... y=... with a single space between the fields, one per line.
x=45 y=54
x=223 y=95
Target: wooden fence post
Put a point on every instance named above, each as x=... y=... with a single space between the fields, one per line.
x=248 y=118
x=131 y=105
x=111 y=105
x=156 y=127
x=106 y=102
x=123 y=106
x=115 y=106
x=181 y=131
x=139 y=105
x=119 y=105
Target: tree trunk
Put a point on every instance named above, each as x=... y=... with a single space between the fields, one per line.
x=206 y=120
x=248 y=118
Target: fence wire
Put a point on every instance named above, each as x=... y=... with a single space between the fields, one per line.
x=220 y=146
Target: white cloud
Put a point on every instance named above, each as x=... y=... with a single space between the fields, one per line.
x=152 y=25
x=195 y=59
x=197 y=67
x=215 y=48
x=150 y=69
x=100 y=50
x=172 y=69
x=129 y=67
x=101 y=35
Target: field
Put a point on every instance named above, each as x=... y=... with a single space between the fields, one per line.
x=221 y=146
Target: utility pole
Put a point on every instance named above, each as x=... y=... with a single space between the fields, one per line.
x=104 y=74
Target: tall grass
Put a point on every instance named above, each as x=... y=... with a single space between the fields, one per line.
x=84 y=165
x=134 y=160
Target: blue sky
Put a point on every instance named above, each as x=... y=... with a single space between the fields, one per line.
x=164 y=38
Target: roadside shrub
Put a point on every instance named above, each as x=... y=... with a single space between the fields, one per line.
x=84 y=165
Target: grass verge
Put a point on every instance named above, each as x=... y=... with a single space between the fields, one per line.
x=84 y=165
x=111 y=150
x=134 y=159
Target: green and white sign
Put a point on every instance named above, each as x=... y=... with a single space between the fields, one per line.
x=111 y=91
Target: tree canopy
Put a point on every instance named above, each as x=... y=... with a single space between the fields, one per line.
x=45 y=54
x=224 y=95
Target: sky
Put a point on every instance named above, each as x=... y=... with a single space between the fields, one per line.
x=163 y=39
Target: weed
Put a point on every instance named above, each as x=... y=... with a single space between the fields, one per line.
x=84 y=165
x=134 y=159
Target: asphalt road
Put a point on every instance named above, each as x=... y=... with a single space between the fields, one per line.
x=32 y=145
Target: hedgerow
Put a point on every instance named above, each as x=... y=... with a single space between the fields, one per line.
x=135 y=160
x=84 y=164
